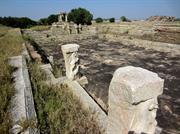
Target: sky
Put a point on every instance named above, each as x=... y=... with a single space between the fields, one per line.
x=132 y=9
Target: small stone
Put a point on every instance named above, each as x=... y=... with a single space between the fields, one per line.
x=82 y=81
x=168 y=109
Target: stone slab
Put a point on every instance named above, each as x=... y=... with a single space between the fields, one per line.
x=70 y=48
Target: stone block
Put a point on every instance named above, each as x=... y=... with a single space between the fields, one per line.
x=71 y=60
x=132 y=100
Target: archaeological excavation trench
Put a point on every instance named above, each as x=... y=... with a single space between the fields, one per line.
x=100 y=58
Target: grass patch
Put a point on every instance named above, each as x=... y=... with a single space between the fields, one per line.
x=3 y=30
x=10 y=45
x=40 y=28
x=58 y=110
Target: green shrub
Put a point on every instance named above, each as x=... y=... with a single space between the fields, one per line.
x=80 y=16
x=123 y=18
x=112 y=20
x=49 y=20
x=99 y=20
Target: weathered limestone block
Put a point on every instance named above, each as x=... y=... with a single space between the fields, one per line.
x=22 y=103
x=132 y=100
x=71 y=60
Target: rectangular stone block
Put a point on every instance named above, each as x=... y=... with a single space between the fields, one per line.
x=132 y=100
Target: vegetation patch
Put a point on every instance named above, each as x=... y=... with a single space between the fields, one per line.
x=41 y=28
x=10 y=45
x=58 y=110
x=99 y=20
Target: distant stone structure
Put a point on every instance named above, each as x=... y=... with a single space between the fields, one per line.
x=133 y=102
x=63 y=17
x=161 y=18
x=65 y=27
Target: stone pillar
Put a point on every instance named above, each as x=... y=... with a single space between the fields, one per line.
x=60 y=18
x=132 y=101
x=71 y=60
x=66 y=17
x=76 y=28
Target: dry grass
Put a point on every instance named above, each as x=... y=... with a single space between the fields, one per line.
x=58 y=111
x=40 y=28
x=10 y=45
x=3 y=30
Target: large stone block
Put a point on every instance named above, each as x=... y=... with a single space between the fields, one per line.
x=71 y=60
x=133 y=102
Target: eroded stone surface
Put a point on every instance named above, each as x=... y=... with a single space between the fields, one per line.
x=71 y=60
x=132 y=101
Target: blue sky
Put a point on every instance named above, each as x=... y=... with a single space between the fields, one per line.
x=133 y=9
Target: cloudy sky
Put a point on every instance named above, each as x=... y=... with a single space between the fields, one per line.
x=133 y=9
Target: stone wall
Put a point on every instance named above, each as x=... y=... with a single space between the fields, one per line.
x=22 y=104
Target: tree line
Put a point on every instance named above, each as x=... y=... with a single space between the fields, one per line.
x=25 y=22
x=77 y=15
x=122 y=18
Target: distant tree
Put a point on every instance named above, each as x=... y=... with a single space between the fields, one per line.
x=123 y=18
x=22 y=22
x=112 y=20
x=80 y=16
x=52 y=18
x=99 y=20
x=43 y=21
x=49 y=20
x=177 y=19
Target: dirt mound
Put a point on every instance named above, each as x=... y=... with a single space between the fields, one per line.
x=161 y=18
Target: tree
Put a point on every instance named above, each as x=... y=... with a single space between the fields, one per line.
x=52 y=18
x=80 y=16
x=123 y=18
x=112 y=20
x=99 y=20
x=22 y=22
x=48 y=21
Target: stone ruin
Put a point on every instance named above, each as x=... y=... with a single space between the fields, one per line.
x=133 y=93
x=62 y=17
x=65 y=27
x=133 y=101
x=71 y=60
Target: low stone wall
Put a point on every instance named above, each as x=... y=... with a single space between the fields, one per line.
x=22 y=104
x=89 y=103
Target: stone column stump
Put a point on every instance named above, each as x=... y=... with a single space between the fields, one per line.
x=132 y=101
x=71 y=60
